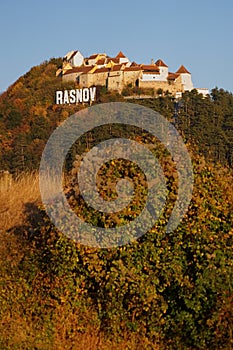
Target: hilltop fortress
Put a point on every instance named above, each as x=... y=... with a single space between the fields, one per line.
x=117 y=73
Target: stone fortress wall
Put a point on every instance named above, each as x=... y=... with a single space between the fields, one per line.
x=117 y=73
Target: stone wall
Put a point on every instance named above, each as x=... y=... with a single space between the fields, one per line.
x=115 y=81
x=89 y=79
x=171 y=87
x=131 y=77
x=86 y=80
x=70 y=77
x=100 y=78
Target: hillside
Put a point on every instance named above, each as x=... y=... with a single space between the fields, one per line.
x=164 y=291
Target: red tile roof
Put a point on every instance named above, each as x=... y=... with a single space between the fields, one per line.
x=113 y=59
x=133 y=68
x=160 y=63
x=101 y=61
x=150 y=68
x=182 y=69
x=120 y=55
x=172 y=76
x=118 y=67
x=93 y=56
x=96 y=55
x=101 y=70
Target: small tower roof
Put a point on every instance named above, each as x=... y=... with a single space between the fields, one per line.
x=120 y=55
x=182 y=69
x=160 y=63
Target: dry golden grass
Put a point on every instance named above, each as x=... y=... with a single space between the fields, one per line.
x=69 y=334
x=92 y=341
x=23 y=334
x=24 y=189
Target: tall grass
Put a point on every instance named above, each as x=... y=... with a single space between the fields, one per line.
x=24 y=189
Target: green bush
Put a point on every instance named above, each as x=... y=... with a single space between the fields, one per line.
x=174 y=289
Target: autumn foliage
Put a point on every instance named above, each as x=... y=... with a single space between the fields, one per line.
x=163 y=291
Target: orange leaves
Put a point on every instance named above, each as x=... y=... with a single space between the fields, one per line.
x=38 y=110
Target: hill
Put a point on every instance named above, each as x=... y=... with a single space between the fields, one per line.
x=164 y=291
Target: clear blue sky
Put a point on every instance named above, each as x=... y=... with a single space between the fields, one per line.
x=198 y=34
